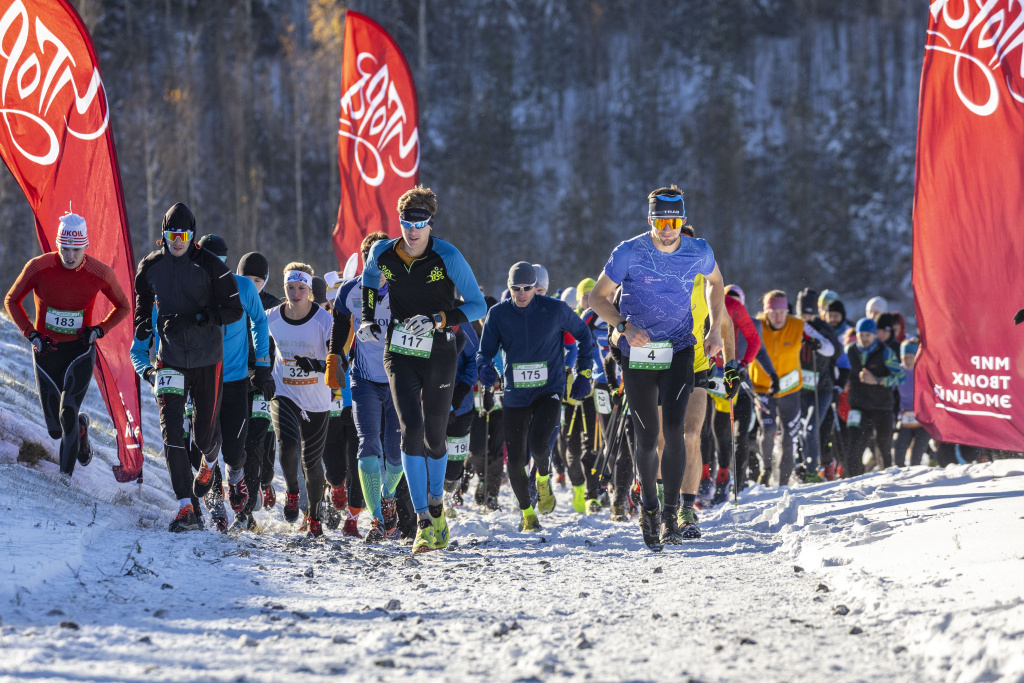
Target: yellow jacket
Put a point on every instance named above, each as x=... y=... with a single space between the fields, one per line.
x=783 y=347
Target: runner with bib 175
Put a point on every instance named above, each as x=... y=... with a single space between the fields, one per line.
x=654 y=332
x=423 y=274
x=529 y=330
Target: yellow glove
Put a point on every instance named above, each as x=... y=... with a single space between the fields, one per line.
x=331 y=375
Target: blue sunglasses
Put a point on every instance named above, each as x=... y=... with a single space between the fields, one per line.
x=419 y=225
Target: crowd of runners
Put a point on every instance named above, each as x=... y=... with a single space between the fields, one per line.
x=648 y=393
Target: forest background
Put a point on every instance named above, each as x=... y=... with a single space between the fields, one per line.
x=790 y=125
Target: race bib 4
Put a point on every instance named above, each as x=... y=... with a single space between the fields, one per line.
x=652 y=356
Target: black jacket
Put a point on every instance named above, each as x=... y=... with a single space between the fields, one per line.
x=810 y=359
x=197 y=283
x=869 y=396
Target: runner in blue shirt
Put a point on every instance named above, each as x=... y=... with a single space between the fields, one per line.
x=655 y=335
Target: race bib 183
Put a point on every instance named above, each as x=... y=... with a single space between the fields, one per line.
x=65 y=322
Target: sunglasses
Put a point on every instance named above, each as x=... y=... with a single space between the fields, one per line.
x=419 y=225
x=668 y=223
x=185 y=236
x=517 y=288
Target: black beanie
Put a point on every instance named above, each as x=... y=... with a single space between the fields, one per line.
x=255 y=264
x=215 y=244
x=319 y=290
x=887 y=321
x=807 y=301
x=179 y=219
x=837 y=307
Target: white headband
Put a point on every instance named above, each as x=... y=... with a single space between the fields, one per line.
x=298 y=276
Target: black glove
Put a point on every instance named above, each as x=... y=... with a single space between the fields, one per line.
x=42 y=343
x=488 y=399
x=812 y=343
x=1018 y=317
x=149 y=374
x=775 y=386
x=89 y=334
x=310 y=365
x=732 y=378
x=176 y=323
x=459 y=394
x=263 y=380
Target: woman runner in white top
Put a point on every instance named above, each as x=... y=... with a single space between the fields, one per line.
x=301 y=409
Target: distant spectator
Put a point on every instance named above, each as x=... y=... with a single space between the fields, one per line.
x=876 y=307
x=910 y=430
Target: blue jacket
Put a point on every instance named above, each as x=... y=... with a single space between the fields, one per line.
x=467 y=367
x=534 y=334
x=236 y=342
x=140 y=348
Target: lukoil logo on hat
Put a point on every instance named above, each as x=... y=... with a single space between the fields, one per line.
x=72 y=233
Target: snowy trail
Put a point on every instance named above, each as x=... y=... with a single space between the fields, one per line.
x=926 y=562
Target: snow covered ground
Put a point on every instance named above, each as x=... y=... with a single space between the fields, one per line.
x=897 y=576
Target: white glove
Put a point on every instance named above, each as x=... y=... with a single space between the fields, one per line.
x=419 y=325
x=368 y=332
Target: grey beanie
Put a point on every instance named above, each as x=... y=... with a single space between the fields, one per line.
x=522 y=273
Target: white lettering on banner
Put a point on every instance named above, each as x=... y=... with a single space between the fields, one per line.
x=364 y=114
x=981 y=381
x=993 y=30
x=947 y=398
x=29 y=70
x=990 y=363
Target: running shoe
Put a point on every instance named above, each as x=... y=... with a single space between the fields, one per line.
x=670 y=534
x=219 y=517
x=593 y=506
x=425 y=540
x=315 y=528
x=560 y=480
x=376 y=533
x=351 y=528
x=203 y=481
x=619 y=512
x=389 y=510
x=291 y=507
x=687 y=520
x=441 y=532
x=185 y=521
x=650 y=527
x=269 y=496
x=579 y=499
x=529 y=522
x=545 y=496
x=238 y=496
x=84 y=447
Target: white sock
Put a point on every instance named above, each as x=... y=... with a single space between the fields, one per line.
x=235 y=476
x=182 y=502
x=210 y=464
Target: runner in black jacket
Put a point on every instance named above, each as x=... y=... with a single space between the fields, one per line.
x=197 y=295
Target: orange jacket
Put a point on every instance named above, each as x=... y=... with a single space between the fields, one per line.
x=783 y=347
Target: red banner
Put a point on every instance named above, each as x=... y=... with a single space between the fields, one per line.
x=56 y=141
x=968 y=215
x=378 y=134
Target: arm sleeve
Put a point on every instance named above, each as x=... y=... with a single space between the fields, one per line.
x=258 y=328
x=227 y=306
x=19 y=290
x=140 y=355
x=618 y=263
x=462 y=276
x=745 y=326
x=467 y=367
x=896 y=373
x=371 y=279
x=112 y=290
x=765 y=361
x=144 y=297
x=584 y=340
x=340 y=327
x=827 y=349
x=488 y=342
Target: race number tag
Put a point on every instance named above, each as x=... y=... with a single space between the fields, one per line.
x=652 y=356
x=169 y=381
x=336 y=407
x=65 y=322
x=810 y=380
x=909 y=419
x=405 y=343
x=853 y=419
x=788 y=381
x=295 y=375
x=603 y=402
x=260 y=408
x=716 y=384
x=529 y=375
x=458 y=448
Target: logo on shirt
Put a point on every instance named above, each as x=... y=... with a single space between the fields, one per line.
x=387 y=273
x=436 y=274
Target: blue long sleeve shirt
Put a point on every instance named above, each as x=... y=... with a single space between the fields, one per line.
x=466 y=372
x=236 y=334
x=531 y=341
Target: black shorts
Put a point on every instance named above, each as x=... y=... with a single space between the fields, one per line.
x=700 y=379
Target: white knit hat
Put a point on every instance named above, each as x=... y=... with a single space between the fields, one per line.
x=877 y=304
x=72 y=233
